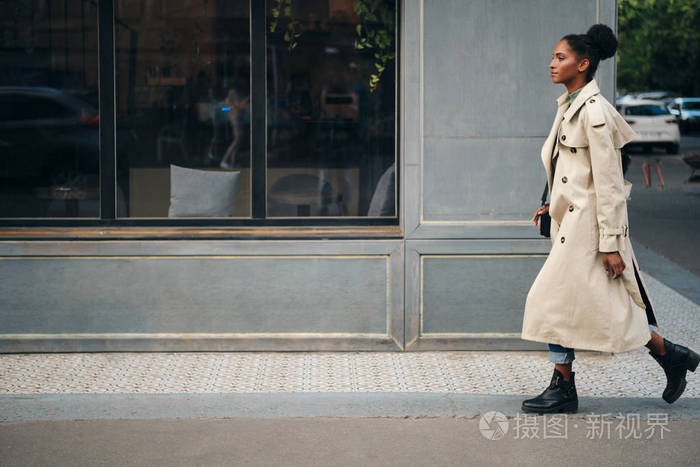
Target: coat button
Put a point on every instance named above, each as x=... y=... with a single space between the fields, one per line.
x=573 y=150
x=564 y=179
x=571 y=209
x=592 y=101
x=563 y=137
x=562 y=239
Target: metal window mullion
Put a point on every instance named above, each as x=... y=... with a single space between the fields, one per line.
x=258 y=107
x=106 y=80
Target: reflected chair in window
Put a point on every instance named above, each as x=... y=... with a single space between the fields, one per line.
x=202 y=193
x=303 y=195
x=383 y=198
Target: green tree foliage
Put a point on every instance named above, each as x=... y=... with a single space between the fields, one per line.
x=375 y=33
x=659 y=46
x=282 y=9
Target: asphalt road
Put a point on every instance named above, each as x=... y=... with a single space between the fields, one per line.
x=343 y=441
x=330 y=429
x=667 y=220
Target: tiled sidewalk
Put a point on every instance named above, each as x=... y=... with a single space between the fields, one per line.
x=632 y=374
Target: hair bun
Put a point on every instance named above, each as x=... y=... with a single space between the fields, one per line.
x=603 y=39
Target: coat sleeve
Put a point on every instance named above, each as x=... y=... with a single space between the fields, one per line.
x=608 y=181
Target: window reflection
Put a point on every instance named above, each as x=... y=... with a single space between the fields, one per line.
x=182 y=108
x=331 y=148
x=183 y=91
x=49 y=124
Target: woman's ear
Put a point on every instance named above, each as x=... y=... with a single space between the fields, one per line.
x=583 y=65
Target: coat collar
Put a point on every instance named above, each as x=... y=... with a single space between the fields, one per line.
x=589 y=90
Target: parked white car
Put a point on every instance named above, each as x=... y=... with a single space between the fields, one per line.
x=687 y=110
x=653 y=122
x=657 y=96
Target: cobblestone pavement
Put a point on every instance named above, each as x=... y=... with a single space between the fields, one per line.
x=630 y=374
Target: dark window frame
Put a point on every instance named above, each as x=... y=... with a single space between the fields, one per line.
x=258 y=132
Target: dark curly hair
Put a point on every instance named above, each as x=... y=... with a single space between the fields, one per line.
x=597 y=44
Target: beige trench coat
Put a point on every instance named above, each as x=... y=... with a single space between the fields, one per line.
x=573 y=302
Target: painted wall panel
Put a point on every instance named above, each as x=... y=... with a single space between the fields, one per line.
x=482 y=179
x=488 y=103
x=485 y=64
x=470 y=294
x=274 y=294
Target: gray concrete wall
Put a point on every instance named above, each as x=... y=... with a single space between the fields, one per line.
x=201 y=295
x=476 y=103
x=476 y=74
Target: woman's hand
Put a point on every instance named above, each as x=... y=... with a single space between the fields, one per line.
x=612 y=262
x=541 y=210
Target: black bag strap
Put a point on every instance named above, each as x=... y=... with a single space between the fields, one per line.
x=544 y=193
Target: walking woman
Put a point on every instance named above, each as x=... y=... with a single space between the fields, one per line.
x=589 y=293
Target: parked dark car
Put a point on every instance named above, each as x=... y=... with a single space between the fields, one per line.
x=49 y=150
x=46 y=134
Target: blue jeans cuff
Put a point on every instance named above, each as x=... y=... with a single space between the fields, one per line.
x=561 y=355
x=564 y=355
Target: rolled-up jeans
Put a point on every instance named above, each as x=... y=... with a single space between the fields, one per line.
x=564 y=355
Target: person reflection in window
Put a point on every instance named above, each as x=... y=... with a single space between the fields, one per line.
x=234 y=107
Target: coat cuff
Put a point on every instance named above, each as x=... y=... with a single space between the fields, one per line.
x=612 y=240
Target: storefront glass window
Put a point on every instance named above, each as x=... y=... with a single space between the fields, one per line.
x=331 y=108
x=185 y=131
x=49 y=123
x=182 y=86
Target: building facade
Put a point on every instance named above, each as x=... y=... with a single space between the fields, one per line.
x=275 y=175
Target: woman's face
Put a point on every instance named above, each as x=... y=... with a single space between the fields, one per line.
x=565 y=65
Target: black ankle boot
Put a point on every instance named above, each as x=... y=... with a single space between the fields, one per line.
x=559 y=397
x=676 y=362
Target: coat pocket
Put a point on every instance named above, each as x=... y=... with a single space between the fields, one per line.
x=579 y=228
x=591 y=221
